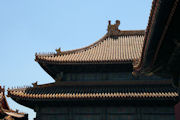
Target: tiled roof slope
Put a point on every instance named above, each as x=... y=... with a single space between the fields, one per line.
x=125 y=46
x=103 y=92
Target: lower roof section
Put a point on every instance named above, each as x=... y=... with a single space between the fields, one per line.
x=131 y=94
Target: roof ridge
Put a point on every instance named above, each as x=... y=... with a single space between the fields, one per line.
x=147 y=33
x=124 y=32
x=86 y=47
x=135 y=83
x=71 y=51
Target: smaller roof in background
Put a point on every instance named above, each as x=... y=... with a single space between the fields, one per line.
x=5 y=110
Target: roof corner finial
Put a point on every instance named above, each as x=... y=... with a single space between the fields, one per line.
x=35 y=84
x=117 y=23
x=17 y=111
x=113 y=29
x=58 y=51
x=109 y=22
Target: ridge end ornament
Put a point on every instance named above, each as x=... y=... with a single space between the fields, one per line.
x=58 y=51
x=113 y=28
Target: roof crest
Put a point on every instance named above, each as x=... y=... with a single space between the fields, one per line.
x=121 y=33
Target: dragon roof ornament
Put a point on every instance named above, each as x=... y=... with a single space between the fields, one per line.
x=113 y=28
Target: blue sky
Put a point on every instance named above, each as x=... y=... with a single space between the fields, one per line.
x=30 y=26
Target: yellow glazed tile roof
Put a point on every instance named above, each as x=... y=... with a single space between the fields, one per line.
x=124 y=47
x=96 y=95
x=57 y=92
